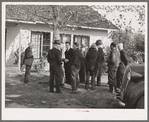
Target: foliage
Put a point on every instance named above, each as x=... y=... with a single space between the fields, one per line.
x=133 y=43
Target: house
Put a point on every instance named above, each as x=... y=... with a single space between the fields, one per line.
x=19 y=32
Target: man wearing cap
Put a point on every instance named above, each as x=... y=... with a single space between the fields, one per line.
x=124 y=62
x=90 y=61
x=28 y=61
x=82 y=73
x=75 y=67
x=67 y=60
x=113 y=63
x=100 y=61
x=54 y=58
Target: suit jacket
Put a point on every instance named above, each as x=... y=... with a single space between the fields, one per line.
x=91 y=59
x=69 y=56
x=114 y=59
x=77 y=58
x=100 y=59
x=54 y=56
x=124 y=58
x=28 y=58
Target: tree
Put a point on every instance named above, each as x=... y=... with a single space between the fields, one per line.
x=59 y=15
x=125 y=15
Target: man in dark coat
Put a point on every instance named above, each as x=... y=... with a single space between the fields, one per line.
x=90 y=61
x=28 y=61
x=124 y=62
x=54 y=58
x=100 y=61
x=67 y=60
x=75 y=67
x=82 y=72
x=113 y=63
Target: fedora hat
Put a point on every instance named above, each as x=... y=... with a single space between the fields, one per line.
x=57 y=42
x=99 y=42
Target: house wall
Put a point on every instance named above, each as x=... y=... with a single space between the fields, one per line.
x=13 y=31
x=12 y=42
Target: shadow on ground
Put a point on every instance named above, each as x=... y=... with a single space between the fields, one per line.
x=35 y=94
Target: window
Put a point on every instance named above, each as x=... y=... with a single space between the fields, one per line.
x=65 y=38
x=41 y=43
x=82 y=40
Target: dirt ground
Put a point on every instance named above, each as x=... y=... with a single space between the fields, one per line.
x=35 y=94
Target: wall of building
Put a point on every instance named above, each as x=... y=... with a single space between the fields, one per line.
x=12 y=42
x=24 y=30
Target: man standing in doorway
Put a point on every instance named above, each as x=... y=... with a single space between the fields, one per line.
x=75 y=67
x=54 y=58
x=28 y=61
x=113 y=63
x=100 y=61
x=67 y=60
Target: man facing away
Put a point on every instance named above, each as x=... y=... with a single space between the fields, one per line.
x=54 y=58
x=28 y=61
x=113 y=63
x=90 y=61
x=124 y=62
x=75 y=67
x=67 y=60
x=100 y=61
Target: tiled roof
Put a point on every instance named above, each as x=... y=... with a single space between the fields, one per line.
x=83 y=15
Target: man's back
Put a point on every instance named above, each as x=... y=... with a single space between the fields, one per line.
x=54 y=56
x=77 y=58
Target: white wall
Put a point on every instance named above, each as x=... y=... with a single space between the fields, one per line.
x=12 y=43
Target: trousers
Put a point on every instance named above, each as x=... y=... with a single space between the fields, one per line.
x=27 y=74
x=82 y=73
x=88 y=74
x=120 y=74
x=112 y=78
x=74 y=77
x=55 y=72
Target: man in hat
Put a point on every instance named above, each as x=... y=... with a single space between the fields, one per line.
x=75 y=67
x=67 y=60
x=124 y=62
x=28 y=61
x=90 y=61
x=113 y=63
x=100 y=61
x=54 y=58
x=82 y=73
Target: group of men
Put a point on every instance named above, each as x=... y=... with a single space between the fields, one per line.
x=78 y=64
x=81 y=64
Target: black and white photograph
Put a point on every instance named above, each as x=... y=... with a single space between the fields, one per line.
x=74 y=61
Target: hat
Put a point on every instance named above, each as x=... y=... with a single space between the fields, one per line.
x=83 y=45
x=99 y=42
x=113 y=44
x=56 y=42
x=93 y=45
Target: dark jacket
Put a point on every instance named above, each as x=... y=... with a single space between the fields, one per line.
x=54 y=56
x=100 y=59
x=91 y=59
x=114 y=59
x=28 y=58
x=77 y=58
x=124 y=58
x=69 y=56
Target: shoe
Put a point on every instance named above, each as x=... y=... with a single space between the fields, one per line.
x=74 y=91
x=93 y=88
x=58 y=91
x=86 y=87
